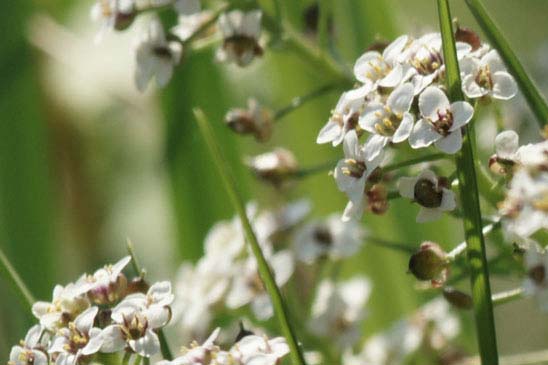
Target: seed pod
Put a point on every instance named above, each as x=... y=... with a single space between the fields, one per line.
x=429 y=263
x=457 y=298
x=427 y=194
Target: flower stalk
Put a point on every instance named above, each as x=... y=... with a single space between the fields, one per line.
x=507 y=296
x=265 y=272
x=8 y=271
x=531 y=92
x=469 y=196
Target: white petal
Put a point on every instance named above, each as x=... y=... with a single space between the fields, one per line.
x=329 y=133
x=84 y=322
x=94 y=344
x=161 y=293
x=423 y=135
x=354 y=210
x=351 y=145
x=493 y=60
x=372 y=115
x=147 y=346
x=507 y=144
x=406 y=187
x=393 y=78
x=405 y=128
x=157 y=316
x=394 y=49
x=374 y=146
x=448 y=200
x=262 y=307
x=113 y=340
x=363 y=67
x=462 y=113
x=471 y=89
x=401 y=98
x=428 y=215
x=432 y=100
x=504 y=86
x=450 y=144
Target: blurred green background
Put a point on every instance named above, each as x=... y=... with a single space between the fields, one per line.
x=86 y=161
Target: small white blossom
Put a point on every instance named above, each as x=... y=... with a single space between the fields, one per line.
x=344 y=118
x=107 y=285
x=441 y=121
x=198 y=354
x=506 y=145
x=338 y=309
x=426 y=189
x=390 y=122
x=155 y=56
x=67 y=303
x=113 y=14
x=536 y=283
x=275 y=166
x=78 y=339
x=487 y=76
x=328 y=238
x=31 y=351
x=241 y=32
x=259 y=350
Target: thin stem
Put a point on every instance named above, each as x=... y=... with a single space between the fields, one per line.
x=507 y=296
x=414 y=161
x=265 y=272
x=461 y=247
x=11 y=275
x=396 y=246
x=532 y=94
x=307 y=171
x=469 y=196
x=164 y=346
x=303 y=99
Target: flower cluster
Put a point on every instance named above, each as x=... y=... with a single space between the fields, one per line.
x=401 y=96
x=99 y=313
x=158 y=52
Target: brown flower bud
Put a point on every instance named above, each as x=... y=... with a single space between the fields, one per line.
x=255 y=120
x=275 y=167
x=457 y=298
x=467 y=35
x=429 y=263
x=137 y=285
x=377 y=199
x=428 y=194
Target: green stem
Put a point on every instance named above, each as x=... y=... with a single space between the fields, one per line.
x=535 y=100
x=507 y=296
x=469 y=196
x=303 y=99
x=8 y=271
x=125 y=359
x=396 y=246
x=414 y=161
x=264 y=270
x=164 y=346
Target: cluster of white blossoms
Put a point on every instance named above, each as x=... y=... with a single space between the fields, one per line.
x=99 y=313
x=158 y=52
x=401 y=96
x=429 y=329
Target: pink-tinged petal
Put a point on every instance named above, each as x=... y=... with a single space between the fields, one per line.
x=448 y=200
x=493 y=60
x=329 y=133
x=374 y=146
x=406 y=187
x=450 y=144
x=401 y=98
x=432 y=100
x=462 y=113
x=423 y=135
x=405 y=128
x=504 y=86
x=147 y=346
x=428 y=215
x=113 y=339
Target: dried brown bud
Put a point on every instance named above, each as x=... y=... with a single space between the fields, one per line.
x=499 y=166
x=429 y=263
x=137 y=285
x=467 y=35
x=457 y=298
x=254 y=120
x=275 y=167
x=377 y=199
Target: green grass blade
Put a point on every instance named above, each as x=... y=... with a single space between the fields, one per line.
x=531 y=92
x=8 y=271
x=264 y=270
x=469 y=196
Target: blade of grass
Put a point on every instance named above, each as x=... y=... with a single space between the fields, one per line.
x=469 y=196
x=263 y=268
x=8 y=271
x=531 y=92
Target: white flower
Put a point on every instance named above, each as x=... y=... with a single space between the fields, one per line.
x=78 y=339
x=525 y=209
x=135 y=320
x=241 y=32
x=107 y=285
x=198 y=354
x=384 y=70
x=113 y=14
x=534 y=156
x=247 y=286
x=259 y=350
x=338 y=309
x=67 y=303
x=155 y=56
x=428 y=191
x=329 y=237
x=536 y=283
x=506 y=145
x=351 y=175
x=441 y=121
x=487 y=76
x=390 y=122
x=187 y=25
x=31 y=351
x=344 y=117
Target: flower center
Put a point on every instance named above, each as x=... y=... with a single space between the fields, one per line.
x=483 y=78
x=77 y=339
x=444 y=122
x=537 y=274
x=163 y=52
x=354 y=168
x=427 y=61
x=323 y=236
x=135 y=327
x=377 y=69
x=240 y=44
x=389 y=122
x=427 y=194
x=106 y=9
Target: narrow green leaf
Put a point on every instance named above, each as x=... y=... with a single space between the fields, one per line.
x=264 y=270
x=8 y=271
x=469 y=196
x=531 y=92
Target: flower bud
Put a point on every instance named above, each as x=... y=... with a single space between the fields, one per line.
x=377 y=199
x=255 y=120
x=467 y=35
x=275 y=167
x=123 y=20
x=427 y=194
x=109 y=293
x=429 y=263
x=137 y=285
x=457 y=298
